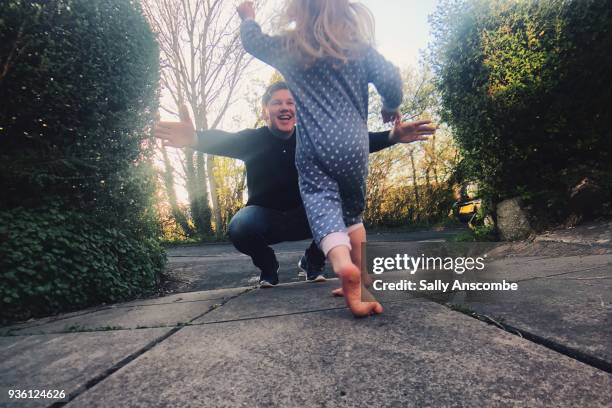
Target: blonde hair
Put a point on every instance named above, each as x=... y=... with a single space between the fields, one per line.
x=327 y=28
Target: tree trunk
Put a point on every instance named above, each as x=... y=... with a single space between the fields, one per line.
x=428 y=187
x=177 y=213
x=201 y=189
x=434 y=159
x=200 y=211
x=210 y=166
x=417 y=198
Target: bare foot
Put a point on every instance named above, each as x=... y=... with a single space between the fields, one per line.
x=351 y=288
x=365 y=280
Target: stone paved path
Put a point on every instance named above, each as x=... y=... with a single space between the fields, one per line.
x=547 y=344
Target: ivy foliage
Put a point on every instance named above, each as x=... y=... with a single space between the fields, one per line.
x=525 y=86
x=57 y=260
x=78 y=90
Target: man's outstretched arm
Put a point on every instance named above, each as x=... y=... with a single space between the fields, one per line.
x=379 y=140
x=402 y=132
x=183 y=134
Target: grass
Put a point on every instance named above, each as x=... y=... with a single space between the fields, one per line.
x=461 y=308
x=477 y=234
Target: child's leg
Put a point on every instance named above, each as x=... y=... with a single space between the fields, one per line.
x=357 y=235
x=325 y=204
x=340 y=258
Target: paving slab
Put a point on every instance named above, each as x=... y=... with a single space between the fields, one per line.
x=573 y=310
x=7 y=330
x=523 y=268
x=279 y=300
x=507 y=269
x=214 y=266
x=218 y=294
x=68 y=319
x=167 y=311
x=229 y=271
x=498 y=260
x=64 y=361
x=552 y=248
x=418 y=353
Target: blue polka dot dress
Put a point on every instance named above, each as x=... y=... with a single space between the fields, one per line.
x=332 y=146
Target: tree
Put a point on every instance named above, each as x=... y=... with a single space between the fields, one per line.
x=524 y=86
x=77 y=224
x=399 y=186
x=202 y=62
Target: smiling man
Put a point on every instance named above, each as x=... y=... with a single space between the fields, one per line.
x=274 y=211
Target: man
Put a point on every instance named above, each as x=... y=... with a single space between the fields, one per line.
x=274 y=212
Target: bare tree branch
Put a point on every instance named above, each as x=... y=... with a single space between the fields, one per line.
x=202 y=64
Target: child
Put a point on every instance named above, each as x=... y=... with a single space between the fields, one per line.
x=328 y=61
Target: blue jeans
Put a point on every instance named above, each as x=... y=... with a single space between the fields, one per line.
x=253 y=229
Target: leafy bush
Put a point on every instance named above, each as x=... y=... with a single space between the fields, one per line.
x=524 y=84
x=78 y=85
x=55 y=260
x=397 y=206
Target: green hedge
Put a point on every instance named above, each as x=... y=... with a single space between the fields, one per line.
x=525 y=86
x=56 y=260
x=78 y=92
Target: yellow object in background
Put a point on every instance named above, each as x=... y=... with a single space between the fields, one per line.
x=467 y=209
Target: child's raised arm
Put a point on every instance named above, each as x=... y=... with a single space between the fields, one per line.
x=262 y=46
x=386 y=78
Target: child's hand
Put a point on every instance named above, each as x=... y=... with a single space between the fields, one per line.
x=246 y=10
x=177 y=134
x=408 y=132
x=390 y=116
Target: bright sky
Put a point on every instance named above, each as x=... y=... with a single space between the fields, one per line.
x=402 y=28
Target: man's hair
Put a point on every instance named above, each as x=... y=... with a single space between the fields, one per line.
x=277 y=86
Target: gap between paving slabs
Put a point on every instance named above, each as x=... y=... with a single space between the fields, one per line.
x=145 y=313
x=414 y=354
x=132 y=357
x=101 y=377
x=97 y=379
x=175 y=329
x=534 y=338
x=516 y=329
x=507 y=328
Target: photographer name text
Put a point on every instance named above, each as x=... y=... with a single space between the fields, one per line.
x=441 y=286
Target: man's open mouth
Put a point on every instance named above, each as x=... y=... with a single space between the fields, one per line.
x=285 y=117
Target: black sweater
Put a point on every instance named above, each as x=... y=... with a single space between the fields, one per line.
x=272 y=178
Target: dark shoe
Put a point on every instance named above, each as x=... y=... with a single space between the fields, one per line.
x=268 y=279
x=313 y=273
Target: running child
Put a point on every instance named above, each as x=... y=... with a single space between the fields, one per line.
x=326 y=56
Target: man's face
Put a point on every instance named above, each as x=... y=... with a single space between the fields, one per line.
x=279 y=112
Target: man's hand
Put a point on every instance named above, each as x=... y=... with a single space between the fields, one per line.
x=390 y=116
x=408 y=132
x=246 y=10
x=177 y=134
